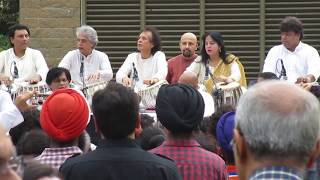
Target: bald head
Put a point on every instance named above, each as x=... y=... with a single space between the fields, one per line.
x=189 y=78
x=188 y=44
x=279 y=121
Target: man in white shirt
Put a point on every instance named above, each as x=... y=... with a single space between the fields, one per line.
x=293 y=59
x=21 y=63
x=86 y=64
x=147 y=66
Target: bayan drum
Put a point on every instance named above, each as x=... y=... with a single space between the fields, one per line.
x=226 y=94
x=149 y=94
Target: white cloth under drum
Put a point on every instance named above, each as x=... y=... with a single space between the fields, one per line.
x=10 y=115
x=208 y=103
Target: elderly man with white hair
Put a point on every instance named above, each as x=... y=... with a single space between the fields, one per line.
x=86 y=64
x=276 y=132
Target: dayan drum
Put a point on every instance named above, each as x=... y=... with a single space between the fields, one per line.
x=43 y=91
x=226 y=94
x=91 y=88
x=149 y=94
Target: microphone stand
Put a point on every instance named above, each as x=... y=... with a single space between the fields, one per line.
x=283 y=73
x=135 y=77
x=84 y=87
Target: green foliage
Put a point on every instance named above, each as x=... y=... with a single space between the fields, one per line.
x=9 y=13
x=4 y=42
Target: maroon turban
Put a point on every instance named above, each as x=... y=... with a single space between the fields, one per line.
x=64 y=115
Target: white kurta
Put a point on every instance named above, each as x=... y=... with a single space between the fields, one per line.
x=303 y=61
x=10 y=115
x=152 y=67
x=96 y=62
x=30 y=64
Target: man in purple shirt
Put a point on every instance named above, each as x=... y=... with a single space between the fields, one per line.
x=180 y=110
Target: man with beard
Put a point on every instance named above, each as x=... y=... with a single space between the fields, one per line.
x=296 y=61
x=177 y=65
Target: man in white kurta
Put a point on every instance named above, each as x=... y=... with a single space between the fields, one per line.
x=96 y=65
x=21 y=63
x=301 y=61
x=147 y=66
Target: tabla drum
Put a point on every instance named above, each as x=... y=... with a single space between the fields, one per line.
x=226 y=94
x=43 y=91
x=91 y=88
x=149 y=94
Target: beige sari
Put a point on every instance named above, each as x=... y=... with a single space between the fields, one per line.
x=223 y=69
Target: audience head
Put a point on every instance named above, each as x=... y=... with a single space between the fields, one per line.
x=32 y=143
x=31 y=121
x=291 y=32
x=37 y=171
x=212 y=45
x=64 y=115
x=6 y=152
x=151 y=138
x=278 y=123
x=188 y=44
x=19 y=35
x=189 y=78
x=146 y=121
x=179 y=108
x=267 y=76
x=116 y=111
x=224 y=130
x=87 y=39
x=149 y=40
x=58 y=77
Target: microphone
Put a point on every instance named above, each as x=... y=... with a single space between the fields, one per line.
x=84 y=88
x=81 y=66
x=283 y=73
x=217 y=91
x=15 y=70
x=134 y=76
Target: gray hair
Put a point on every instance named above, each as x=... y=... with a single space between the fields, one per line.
x=90 y=33
x=279 y=121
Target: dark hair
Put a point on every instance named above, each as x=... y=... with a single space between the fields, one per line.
x=12 y=29
x=33 y=143
x=268 y=75
x=214 y=118
x=291 y=23
x=156 y=40
x=216 y=36
x=146 y=121
x=35 y=170
x=151 y=137
x=115 y=109
x=31 y=121
x=55 y=72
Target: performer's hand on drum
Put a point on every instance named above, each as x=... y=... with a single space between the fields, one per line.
x=93 y=77
x=224 y=79
x=150 y=81
x=21 y=101
x=35 y=79
x=126 y=81
x=305 y=79
x=5 y=80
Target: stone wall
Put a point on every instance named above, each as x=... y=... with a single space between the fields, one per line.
x=52 y=24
